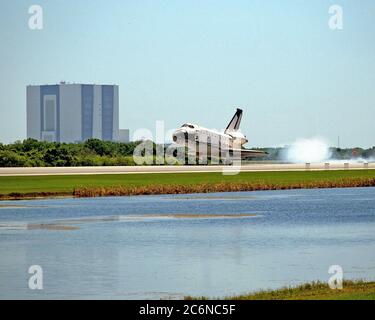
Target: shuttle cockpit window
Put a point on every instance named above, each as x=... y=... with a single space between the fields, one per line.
x=187 y=125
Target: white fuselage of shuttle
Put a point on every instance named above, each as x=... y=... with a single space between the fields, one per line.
x=230 y=141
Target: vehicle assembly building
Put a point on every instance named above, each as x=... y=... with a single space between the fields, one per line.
x=72 y=112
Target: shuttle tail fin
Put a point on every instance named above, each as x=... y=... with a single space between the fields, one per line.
x=234 y=124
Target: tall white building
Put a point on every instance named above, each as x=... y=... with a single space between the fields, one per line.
x=73 y=112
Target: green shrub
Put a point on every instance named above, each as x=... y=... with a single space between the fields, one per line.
x=11 y=159
x=58 y=156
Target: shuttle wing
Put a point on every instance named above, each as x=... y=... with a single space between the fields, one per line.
x=247 y=153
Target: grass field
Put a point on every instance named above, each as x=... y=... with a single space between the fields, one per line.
x=66 y=184
x=352 y=290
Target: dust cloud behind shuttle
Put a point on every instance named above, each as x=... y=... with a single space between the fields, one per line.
x=307 y=150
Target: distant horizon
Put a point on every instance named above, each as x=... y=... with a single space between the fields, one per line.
x=170 y=142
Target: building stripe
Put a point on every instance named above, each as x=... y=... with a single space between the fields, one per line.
x=107 y=112
x=50 y=90
x=87 y=109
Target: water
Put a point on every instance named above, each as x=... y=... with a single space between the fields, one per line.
x=127 y=248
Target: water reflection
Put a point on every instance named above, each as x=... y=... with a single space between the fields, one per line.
x=170 y=246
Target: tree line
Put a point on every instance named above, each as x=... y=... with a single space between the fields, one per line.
x=92 y=152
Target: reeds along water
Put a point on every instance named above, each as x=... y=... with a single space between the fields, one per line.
x=219 y=187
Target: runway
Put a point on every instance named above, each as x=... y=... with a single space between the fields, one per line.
x=256 y=167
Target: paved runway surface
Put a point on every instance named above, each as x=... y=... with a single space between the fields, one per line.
x=183 y=169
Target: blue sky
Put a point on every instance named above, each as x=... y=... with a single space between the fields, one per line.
x=197 y=61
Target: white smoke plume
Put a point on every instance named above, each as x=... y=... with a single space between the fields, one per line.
x=308 y=150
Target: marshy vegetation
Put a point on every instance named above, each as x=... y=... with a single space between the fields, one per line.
x=352 y=290
x=218 y=187
x=21 y=187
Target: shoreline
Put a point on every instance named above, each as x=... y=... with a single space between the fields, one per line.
x=316 y=290
x=159 y=189
x=37 y=196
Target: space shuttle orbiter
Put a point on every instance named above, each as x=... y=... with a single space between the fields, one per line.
x=230 y=142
